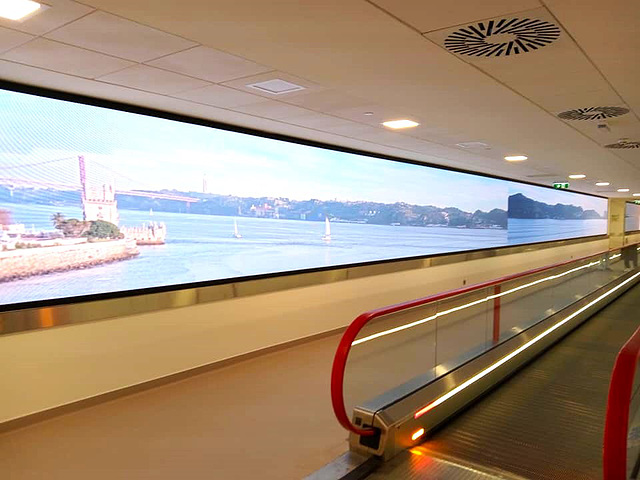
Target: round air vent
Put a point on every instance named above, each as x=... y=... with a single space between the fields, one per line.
x=495 y=38
x=624 y=144
x=593 y=113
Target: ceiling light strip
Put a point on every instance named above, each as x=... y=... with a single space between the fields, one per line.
x=467 y=305
x=519 y=350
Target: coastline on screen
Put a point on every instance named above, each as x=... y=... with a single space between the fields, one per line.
x=96 y=200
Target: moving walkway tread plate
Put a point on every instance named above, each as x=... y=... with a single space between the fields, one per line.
x=547 y=421
x=418 y=464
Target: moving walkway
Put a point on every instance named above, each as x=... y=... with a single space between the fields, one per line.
x=419 y=377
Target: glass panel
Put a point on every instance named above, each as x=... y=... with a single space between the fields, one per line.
x=389 y=352
x=615 y=263
x=462 y=329
x=570 y=283
x=524 y=302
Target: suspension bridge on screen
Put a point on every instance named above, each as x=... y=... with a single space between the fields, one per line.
x=57 y=174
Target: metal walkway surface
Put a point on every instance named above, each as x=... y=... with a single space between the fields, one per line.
x=546 y=422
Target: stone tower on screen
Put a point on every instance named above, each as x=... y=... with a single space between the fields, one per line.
x=98 y=201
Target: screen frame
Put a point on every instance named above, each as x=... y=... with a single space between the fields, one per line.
x=162 y=114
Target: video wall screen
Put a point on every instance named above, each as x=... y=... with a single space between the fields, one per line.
x=631 y=217
x=94 y=200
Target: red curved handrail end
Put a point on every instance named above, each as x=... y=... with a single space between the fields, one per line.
x=337 y=375
x=614 y=454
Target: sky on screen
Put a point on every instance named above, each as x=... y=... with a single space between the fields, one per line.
x=152 y=153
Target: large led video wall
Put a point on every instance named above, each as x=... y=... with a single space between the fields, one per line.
x=94 y=200
x=631 y=217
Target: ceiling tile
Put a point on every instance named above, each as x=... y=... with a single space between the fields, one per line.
x=58 y=13
x=351 y=129
x=272 y=109
x=556 y=103
x=28 y=75
x=442 y=135
x=381 y=136
x=209 y=64
x=625 y=126
x=376 y=114
x=106 y=33
x=529 y=74
x=616 y=44
x=10 y=39
x=436 y=14
x=65 y=58
x=241 y=84
x=318 y=121
x=219 y=96
x=326 y=101
x=411 y=143
x=153 y=80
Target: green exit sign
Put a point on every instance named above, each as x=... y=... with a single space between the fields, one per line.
x=637 y=202
x=561 y=185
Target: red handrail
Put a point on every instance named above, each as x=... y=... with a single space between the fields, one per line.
x=614 y=455
x=342 y=352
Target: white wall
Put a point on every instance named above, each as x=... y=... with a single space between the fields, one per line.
x=51 y=367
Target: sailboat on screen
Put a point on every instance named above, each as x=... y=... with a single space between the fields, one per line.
x=236 y=234
x=327 y=230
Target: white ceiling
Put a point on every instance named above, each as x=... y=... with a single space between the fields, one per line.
x=357 y=56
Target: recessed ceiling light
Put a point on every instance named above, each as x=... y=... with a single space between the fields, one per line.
x=636 y=194
x=577 y=176
x=515 y=158
x=17 y=9
x=368 y=114
x=276 y=86
x=623 y=190
x=602 y=184
x=400 y=124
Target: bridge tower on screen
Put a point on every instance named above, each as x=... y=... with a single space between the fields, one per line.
x=98 y=201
